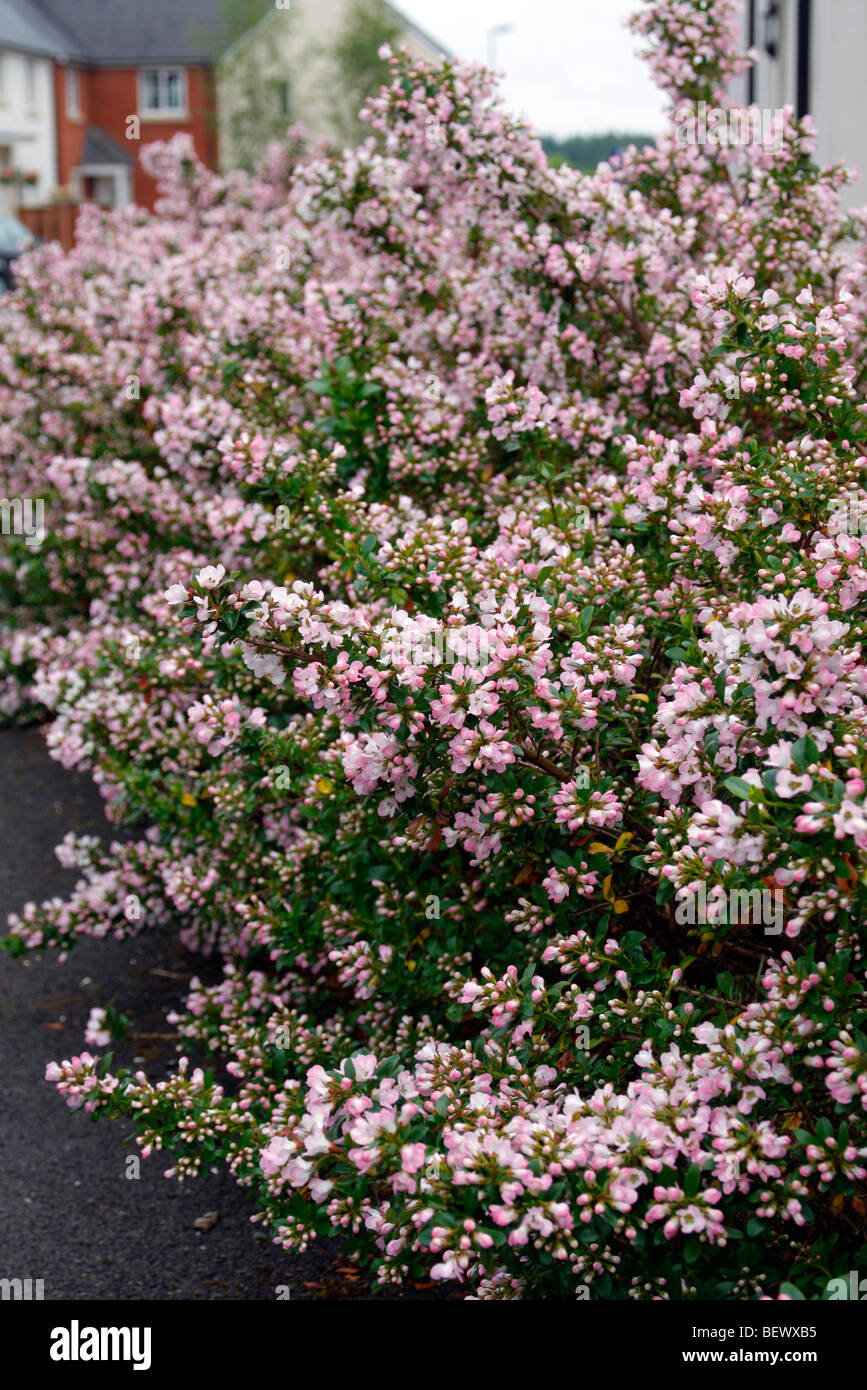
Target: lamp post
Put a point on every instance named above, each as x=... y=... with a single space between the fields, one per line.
x=773 y=25
x=493 y=34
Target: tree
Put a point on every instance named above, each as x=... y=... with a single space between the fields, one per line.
x=255 y=79
x=361 y=71
x=586 y=152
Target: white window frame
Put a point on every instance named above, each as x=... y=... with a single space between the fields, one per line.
x=31 y=85
x=73 y=91
x=121 y=173
x=162 y=112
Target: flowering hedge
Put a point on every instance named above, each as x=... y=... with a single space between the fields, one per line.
x=454 y=567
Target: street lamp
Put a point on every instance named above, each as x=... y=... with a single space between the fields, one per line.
x=773 y=35
x=493 y=34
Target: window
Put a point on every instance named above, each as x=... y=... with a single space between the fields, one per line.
x=30 y=82
x=163 y=91
x=284 y=99
x=73 y=92
x=100 y=188
x=2 y=76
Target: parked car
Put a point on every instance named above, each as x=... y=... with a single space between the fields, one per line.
x=14 y=238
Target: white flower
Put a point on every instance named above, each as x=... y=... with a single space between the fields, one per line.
x=210 y=576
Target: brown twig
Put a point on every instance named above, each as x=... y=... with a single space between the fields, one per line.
x=544 y=764
x=295 y=652
x=641 y=329
x=704 y=994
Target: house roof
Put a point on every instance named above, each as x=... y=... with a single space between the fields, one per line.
x=109 y=33
x=112 y=33
x=24 y=28
x=414 y=29
x=99 y=148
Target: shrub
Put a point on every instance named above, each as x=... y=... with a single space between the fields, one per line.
x=455 y=567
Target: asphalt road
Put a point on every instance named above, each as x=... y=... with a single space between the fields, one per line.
x=68 y=1213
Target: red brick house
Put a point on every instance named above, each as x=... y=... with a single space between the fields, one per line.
x=130 y=72
x=114 y=75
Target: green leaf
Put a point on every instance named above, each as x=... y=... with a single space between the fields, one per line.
x=711 y=742
x=738 y=787
x=586 y=619
x=804 y=753
x=792 y=1292
x=770 y=779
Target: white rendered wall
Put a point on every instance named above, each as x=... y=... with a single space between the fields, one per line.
x=28 y=126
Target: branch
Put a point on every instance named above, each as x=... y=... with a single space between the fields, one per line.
x=537 y=760
x=295 y=652
x=637 y=326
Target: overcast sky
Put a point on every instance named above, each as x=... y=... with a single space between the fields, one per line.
x=569 y=65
